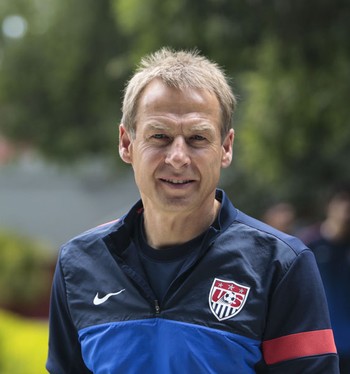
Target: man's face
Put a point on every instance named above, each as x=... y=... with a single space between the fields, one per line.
x=339 y=210
x=177 y=152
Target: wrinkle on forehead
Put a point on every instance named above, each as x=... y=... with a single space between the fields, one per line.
x=179 y=99
x=180 y=125
x=163 y=107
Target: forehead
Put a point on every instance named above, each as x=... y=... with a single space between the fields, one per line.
x=159 y=98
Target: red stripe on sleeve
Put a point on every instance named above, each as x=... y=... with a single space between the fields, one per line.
x=310 y=343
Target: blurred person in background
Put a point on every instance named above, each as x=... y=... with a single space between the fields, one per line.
x=330 y=242
x=281 y=216
x=185 y=282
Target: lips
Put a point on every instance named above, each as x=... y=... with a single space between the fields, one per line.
x=176 y=181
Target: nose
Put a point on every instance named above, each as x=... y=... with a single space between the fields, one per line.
x=177 y=155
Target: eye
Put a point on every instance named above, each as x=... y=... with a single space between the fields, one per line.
x=197 y=138
x=159 y=136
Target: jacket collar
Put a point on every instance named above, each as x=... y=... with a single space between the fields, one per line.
x=121 y=237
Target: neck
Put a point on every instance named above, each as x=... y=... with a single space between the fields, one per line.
x=164 y=229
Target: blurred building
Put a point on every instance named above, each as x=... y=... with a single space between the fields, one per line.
x=54 y=204
x=51 y=204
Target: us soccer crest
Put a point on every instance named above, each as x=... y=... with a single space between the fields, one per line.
x=226 y=298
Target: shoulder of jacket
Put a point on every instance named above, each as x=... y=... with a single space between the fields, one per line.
x=89 y=237
x=270 y=235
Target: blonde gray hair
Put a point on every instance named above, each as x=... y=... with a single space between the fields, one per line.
x=179 y=69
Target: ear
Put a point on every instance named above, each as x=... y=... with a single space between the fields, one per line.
x=125 y=145
x=227 y=149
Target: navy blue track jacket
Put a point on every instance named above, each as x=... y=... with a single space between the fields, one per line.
x=251 y=301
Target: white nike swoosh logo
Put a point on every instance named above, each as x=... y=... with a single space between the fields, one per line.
x=98 y=300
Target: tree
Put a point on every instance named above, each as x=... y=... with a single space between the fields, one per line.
x=26 y=270
x=296 y=141
x=290 y=63
x=60 y=87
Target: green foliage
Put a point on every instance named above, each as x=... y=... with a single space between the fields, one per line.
x=56 y=89
x=290 y=63
x=60 y=85
x=24 y=269
x=224 y=30
x=294 y=125
x=23 y=345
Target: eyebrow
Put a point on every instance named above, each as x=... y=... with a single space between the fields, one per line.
x=199 y=127
x=157 y=126
x=202 y=127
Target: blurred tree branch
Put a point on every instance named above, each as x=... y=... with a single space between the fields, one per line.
x=60 y=88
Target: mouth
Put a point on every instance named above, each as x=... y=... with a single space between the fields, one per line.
x=177 y=182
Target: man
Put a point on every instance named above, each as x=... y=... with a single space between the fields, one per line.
x=330 y=242
x=184 y=282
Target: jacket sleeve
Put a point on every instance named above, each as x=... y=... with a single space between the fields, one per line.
x=64 y=348
x=298 y=336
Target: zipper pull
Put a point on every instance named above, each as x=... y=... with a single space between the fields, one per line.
x=156 y=306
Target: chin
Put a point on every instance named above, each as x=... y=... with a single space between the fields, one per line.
x=176 y=203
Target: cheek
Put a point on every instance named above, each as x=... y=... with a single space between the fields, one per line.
x=212 y=158
x=146 y=158
x=209 y=165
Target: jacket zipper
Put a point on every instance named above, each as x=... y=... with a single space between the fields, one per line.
x=145 y=287
x=156 y=306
